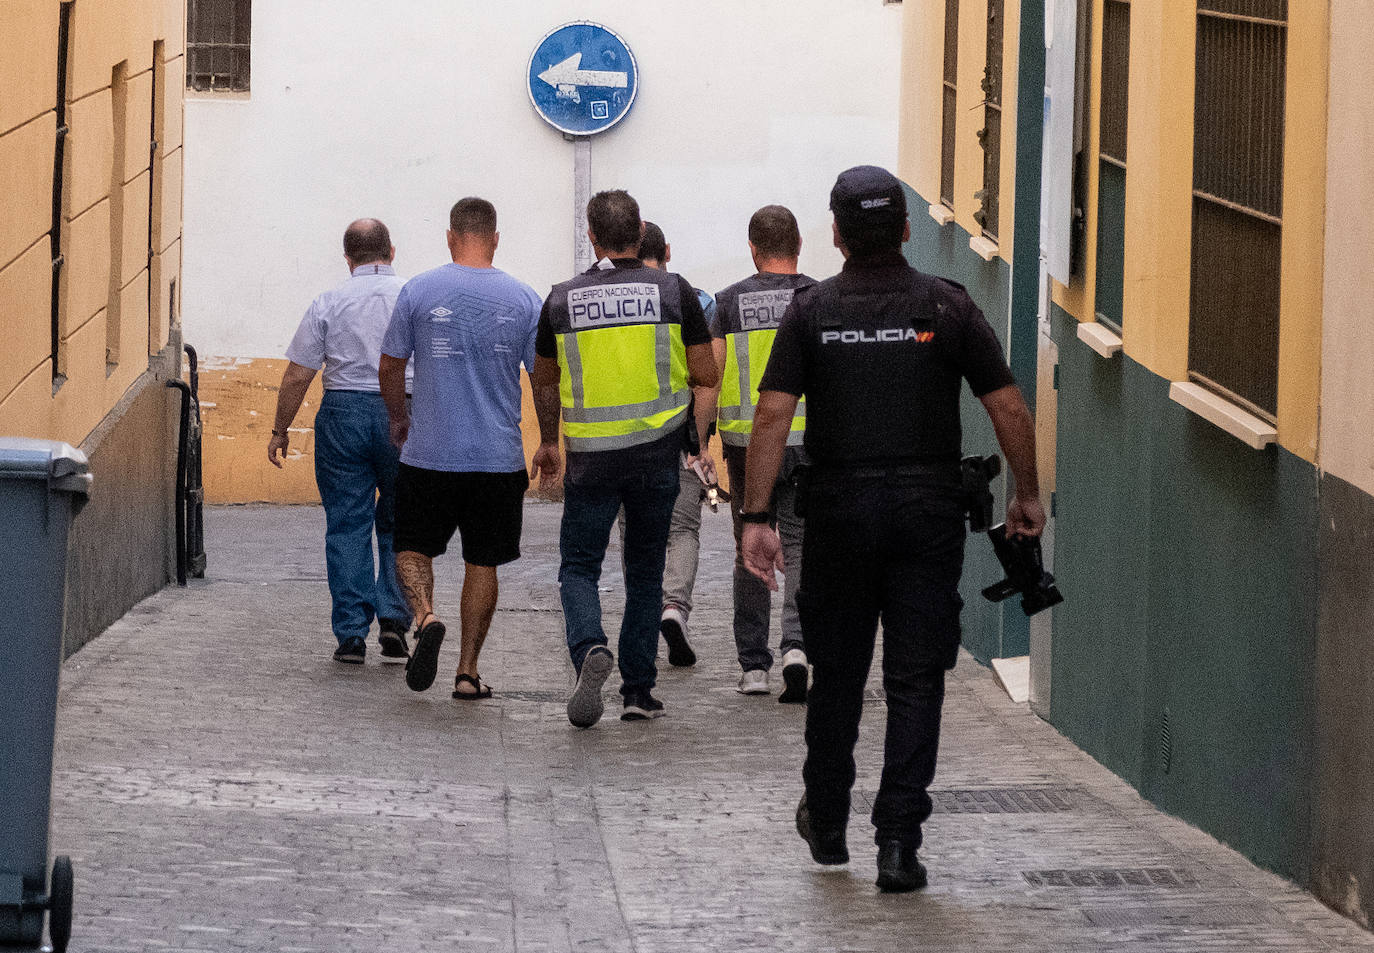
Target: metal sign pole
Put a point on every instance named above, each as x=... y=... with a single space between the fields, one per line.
x=583 y=256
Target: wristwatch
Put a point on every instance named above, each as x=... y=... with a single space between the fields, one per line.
x=760 y=517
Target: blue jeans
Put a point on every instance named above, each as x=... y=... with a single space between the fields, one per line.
x=355 y=469
x=589 y=512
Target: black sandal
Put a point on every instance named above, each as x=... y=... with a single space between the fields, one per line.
x=479 y=692
x=424 y=661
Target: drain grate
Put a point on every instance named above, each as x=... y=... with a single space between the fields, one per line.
x=875 y=695
x=1006 y=801
x=527 y=609
x=1042 y=800
x=1112 y=877
x=1212 y=915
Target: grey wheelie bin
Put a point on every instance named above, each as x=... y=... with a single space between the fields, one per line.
x=42 y=485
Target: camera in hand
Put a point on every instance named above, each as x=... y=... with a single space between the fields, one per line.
x=1024 y=565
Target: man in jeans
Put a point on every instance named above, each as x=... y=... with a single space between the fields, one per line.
x=617 y=353
x=355 y=463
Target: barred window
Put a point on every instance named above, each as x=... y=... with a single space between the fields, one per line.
x=1111 y=179
x=991 y=133
x=217 y=44
x=1233 y=338
x=950 y=104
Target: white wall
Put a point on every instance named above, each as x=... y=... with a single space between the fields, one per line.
x=397 y=110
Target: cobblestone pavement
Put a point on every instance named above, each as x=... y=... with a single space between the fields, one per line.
x=222 y=784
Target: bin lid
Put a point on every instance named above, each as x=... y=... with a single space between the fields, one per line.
x=62 y=466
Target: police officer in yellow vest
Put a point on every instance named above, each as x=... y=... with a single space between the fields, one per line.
x=617 y=352
x=746 y=322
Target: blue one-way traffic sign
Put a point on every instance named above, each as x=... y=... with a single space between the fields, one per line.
x=582 y=78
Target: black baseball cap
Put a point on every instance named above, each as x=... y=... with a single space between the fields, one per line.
x=868 y=195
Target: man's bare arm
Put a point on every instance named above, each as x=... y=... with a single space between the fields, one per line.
x=702 y=370
x=295 y=381
x=547 y=409
x=391 y=376
x=1015 y=428
x=760 y=546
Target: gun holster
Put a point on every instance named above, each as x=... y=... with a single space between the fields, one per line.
x=1023 y=562
x=977 y=474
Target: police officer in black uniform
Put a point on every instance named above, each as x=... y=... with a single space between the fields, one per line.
x=880 y=352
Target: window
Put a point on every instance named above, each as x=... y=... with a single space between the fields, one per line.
x=950 y=106
x=1111 y=180
x=217 y=48
x=1233 y=337
x=991 y=134
x=59 y=185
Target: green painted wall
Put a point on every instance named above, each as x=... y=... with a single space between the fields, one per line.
x=990 y=631
x=1189 y=566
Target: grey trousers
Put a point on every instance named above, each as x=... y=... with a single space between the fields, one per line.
x=753 y=600
x=684 y=543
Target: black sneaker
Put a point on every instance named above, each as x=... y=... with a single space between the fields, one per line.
x=351 y=650
x=424 y=663
x=827 y=846
x=673 y=627
x=392 y=639
x=898 y=869
x=641 y=706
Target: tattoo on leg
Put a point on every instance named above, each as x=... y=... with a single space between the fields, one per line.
x=416 y=573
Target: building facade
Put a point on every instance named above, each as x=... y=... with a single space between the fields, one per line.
x=739 y=105
x=1205 y=168
x=90 y=261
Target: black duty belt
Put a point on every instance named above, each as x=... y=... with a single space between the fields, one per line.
x=939 y=473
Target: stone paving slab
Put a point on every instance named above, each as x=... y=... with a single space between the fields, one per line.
x=222 y=784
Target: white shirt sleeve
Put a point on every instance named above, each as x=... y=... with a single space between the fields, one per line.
x=307 y=347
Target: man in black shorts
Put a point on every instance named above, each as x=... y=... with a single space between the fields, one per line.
x=469 y=326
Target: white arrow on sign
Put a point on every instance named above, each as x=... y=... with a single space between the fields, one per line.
x=569 y=73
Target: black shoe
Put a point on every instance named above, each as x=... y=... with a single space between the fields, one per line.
x=827 y=846
x=794 y=677
x=424 y=662
x=641 y=706
x=351 y=650
x=392 y=639
x=898 y=869
x=673 y=627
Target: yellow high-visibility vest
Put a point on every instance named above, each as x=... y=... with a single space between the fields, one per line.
x=623 y=362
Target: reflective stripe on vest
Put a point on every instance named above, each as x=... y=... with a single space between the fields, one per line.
x=609 y=398
x=746 y=356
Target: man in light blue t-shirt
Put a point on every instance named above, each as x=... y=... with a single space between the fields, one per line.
x=469 y=327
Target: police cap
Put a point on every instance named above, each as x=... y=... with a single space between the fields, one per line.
x=868 y=195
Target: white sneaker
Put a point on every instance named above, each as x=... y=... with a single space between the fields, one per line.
x=754 y=682
x=794 y=677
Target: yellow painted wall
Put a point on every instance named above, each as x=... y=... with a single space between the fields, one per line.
x=920 y=124
x=1304 y=224
x=1347 y=371
x=923 y=25
x=106 y=330
x=238 y=406
x=1159 y=206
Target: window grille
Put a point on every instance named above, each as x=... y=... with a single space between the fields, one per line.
x=217 y=44
x=950 y=103
x=991 y=134
x=1111 y=179
x=1238 y=200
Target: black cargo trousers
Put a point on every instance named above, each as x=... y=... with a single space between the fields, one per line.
x=880 y=545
